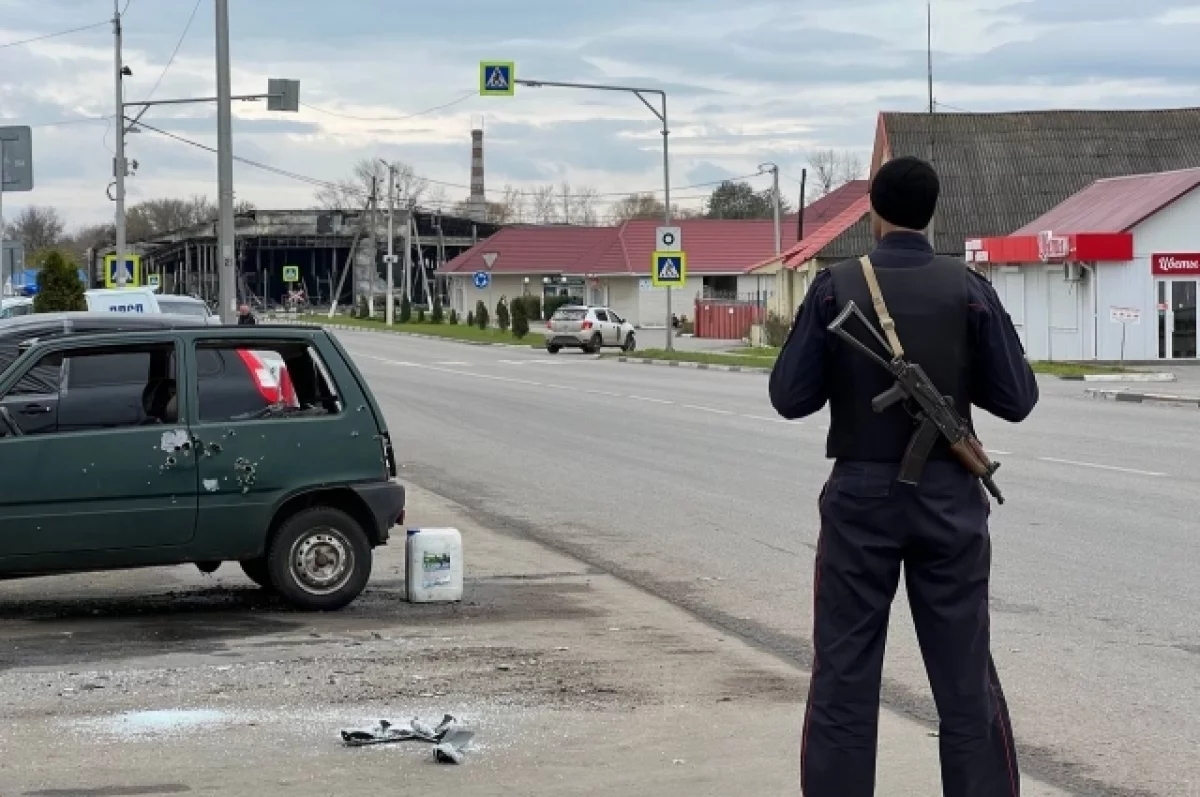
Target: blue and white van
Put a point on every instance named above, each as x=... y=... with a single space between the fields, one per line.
x=146 y=300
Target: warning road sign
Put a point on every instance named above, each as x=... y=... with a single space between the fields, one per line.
x=669 y=269
x=497 y=79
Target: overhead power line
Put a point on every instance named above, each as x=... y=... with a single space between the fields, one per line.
x=362 y=192
x=466 y=96
x=45 y=36
x=174 y=53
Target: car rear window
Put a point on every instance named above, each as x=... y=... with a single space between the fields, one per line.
x=574 y=314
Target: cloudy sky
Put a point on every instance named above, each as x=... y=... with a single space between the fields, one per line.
x=748 y=81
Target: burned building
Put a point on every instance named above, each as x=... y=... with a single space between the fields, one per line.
x=335 y=253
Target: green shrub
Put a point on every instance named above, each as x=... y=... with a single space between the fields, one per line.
x=470 y=319
x=481 y=315
x=775 y=330
x=453 y=320
x=502 y=315
x=59 y=288
x=520 y=320
x=437 y=316
x=533 y=307
x=421 y=316
x=405 y=310
x=552 y=303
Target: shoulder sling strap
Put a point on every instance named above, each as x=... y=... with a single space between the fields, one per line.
x=885 y=318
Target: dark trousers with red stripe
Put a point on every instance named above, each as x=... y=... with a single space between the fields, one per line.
x=938 y=530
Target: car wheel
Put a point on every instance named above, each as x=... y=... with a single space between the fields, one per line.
x=595 y=345
x=320 y=560
x=550 y=347
x=256 y=571
x=630 y=343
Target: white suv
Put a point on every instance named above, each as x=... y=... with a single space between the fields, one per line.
x=588 y=328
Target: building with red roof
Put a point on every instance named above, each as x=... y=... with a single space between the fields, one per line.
x=610 y=266
x=1109 y=274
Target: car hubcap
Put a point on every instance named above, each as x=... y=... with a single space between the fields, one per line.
x=322 y=561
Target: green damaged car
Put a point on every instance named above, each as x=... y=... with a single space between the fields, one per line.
x=147 y=447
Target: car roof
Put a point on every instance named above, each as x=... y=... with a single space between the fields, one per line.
x=98 y=320
x=174 y=297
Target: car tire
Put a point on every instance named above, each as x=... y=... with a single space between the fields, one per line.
x=630 y=343
x=595 y=344
x=550 y=347
x=320 y=560
x=256 y=570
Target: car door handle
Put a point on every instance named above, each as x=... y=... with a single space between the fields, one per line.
x=35 y=409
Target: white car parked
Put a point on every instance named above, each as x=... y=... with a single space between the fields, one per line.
x=588 y=328
x=146 y=300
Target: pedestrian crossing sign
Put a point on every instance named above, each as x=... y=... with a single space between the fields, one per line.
x=130 y=271
x=497 y=79
x=291 y=273
x=669 y=269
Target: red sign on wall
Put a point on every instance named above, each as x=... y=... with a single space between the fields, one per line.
x=1175 y=265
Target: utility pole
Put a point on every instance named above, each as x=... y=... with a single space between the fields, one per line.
x=776 y=201
x=119 y=167
x=929 y=232
x=227 y=281
x=389 y=314
x=408 y=228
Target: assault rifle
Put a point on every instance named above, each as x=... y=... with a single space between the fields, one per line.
x=934 y=413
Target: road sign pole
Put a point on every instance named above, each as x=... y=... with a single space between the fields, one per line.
x=389 y=312
x=667 y=206
x=119 y=160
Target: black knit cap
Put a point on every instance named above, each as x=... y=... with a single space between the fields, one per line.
x=905 y=192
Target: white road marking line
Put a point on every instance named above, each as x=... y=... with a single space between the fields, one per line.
x=1101 y=467
x=603 y=393
x=773 y=420
x=993 y=453
x=651 y=400
x=452 y=362
x=705 y=409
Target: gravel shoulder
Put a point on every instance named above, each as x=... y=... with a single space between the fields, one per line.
x=169 y=682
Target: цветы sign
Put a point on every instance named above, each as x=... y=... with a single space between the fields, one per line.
x=1175 y=265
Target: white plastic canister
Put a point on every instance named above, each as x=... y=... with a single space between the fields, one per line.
x=434 y=565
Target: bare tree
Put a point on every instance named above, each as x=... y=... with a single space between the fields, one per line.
x=155 y=217
x=91 y=237
x=832 y=169
x=637 y=206
x=544 y=205
x=513 y=200
x=37 y=227
x=350 y=194
x=583 y=206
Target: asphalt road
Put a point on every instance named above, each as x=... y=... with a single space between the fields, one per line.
x=686 y=483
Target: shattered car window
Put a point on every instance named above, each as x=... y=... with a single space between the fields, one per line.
x=264 y=379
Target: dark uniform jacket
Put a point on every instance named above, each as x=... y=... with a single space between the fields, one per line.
x=949 y=320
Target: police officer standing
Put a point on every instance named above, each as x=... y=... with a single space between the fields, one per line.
x=952 y=324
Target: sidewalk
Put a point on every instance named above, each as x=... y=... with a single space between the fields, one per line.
x=575 y=683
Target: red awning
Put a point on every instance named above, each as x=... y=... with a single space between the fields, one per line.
x=1089 y=247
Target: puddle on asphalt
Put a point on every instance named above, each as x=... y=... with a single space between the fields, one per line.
x=164 y=722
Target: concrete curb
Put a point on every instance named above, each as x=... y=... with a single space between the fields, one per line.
x=1156 y=377
x=1143 y=398
x=443 y=338
x=736 y=369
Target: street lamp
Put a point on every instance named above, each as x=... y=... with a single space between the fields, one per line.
x=661 y=115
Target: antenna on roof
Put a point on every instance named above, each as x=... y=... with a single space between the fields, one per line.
x=932 y=103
